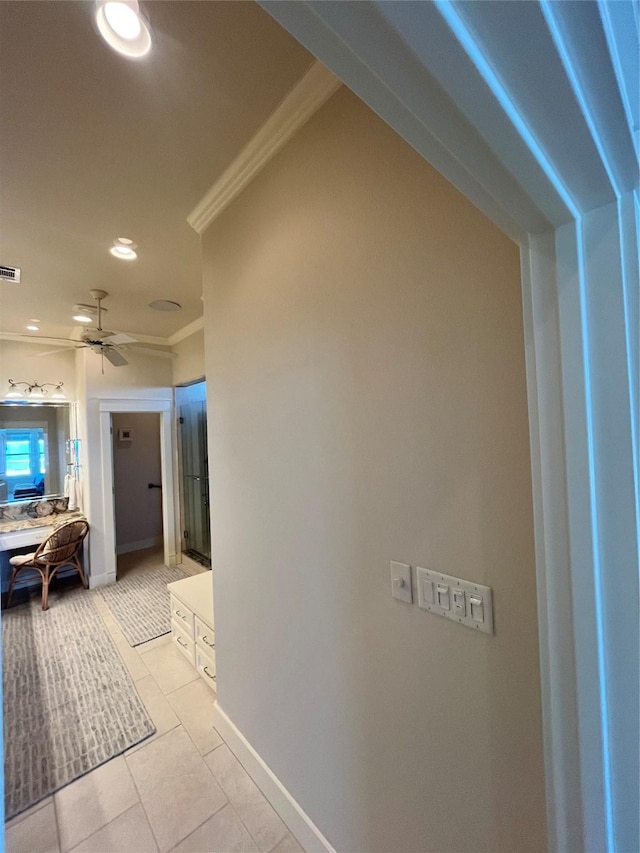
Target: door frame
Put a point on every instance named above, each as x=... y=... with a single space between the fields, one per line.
x=164 y=408
x=443 y=75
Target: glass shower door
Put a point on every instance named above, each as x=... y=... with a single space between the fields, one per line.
x=195 y=481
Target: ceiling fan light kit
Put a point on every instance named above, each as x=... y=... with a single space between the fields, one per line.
x=123 y=27
x=85 y=313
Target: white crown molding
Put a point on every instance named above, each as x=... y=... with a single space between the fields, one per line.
x=186 y=331
x=306 y=98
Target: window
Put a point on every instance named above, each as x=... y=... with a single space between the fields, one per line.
x=24 y=455
x=18 y=454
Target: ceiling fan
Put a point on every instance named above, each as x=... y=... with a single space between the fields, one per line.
x=106 y=343
x=102 y=342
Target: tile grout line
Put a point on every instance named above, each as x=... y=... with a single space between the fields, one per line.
x=135 y=785
x=200 y=825
x=228 y=802
x=251 y=835
x=117 y=817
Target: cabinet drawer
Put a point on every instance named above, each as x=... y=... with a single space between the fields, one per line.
x=182 y=615
x=206 y=666
x=183 y=641
x=205 y=636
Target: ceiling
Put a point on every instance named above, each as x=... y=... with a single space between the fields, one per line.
x=95 y=147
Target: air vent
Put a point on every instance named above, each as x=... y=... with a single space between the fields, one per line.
x=10 y=274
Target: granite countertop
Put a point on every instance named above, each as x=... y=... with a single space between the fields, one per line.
x=10 y=525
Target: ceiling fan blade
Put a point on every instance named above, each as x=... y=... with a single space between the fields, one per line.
x=120 y=338
x=112 y=355
x=46 y=352
x=159 y=353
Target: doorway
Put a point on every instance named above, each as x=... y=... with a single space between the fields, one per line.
x=191 y=402
x=137 y=490
x=103 y=548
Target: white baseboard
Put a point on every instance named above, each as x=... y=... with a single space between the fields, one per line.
x=300 y=824
x=140 y=545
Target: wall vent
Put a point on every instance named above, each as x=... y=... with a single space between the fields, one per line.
x=10 y=274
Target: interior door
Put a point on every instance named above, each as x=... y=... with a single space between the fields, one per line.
x=195 y=481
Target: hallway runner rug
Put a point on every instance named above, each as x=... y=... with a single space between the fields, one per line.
x=69 y=703
x=140 y=603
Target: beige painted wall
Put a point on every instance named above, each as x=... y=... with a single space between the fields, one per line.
x=136 y=463
x=189 y=364
x=20 y=361
x=364 y=339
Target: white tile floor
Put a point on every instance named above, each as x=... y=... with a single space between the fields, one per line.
x=181 y=790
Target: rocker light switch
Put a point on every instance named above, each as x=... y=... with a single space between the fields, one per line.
x=477 y=608
x=464 y=602
x=444 y=598
x=401 y=582
x=459 y=602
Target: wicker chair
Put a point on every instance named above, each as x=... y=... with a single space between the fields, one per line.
x=59 y=549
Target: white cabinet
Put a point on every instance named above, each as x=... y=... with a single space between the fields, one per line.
x=192 y=628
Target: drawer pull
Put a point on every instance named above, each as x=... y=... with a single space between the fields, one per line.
x=181 y=615
x=211 y=645
x=207 y=673
x=182 y=642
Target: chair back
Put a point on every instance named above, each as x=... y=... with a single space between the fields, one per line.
x=63 y=543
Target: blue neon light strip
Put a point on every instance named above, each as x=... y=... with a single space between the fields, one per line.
x=550 y=11
x=631 y=374
x=466 y=39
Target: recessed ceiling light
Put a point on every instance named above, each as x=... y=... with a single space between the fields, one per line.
x=33 y=328
x=124 y=248
x=123 y=27
x=165 y=305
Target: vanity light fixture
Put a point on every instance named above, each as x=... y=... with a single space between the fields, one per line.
x=34 y=391
x=124 y=248
x=124 y=29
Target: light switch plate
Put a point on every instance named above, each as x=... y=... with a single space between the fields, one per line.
x=470 y=604
x=401 y=582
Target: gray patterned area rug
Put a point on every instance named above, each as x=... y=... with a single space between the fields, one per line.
x=69 y=703
x=140 y=603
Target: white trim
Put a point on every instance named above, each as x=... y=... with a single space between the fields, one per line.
x=306 y=98
x=300 y=824
x=139 y=545
x=186 y=331
x=165 y=409
x=549 y=489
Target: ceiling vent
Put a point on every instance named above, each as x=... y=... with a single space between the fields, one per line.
x=10 y=274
